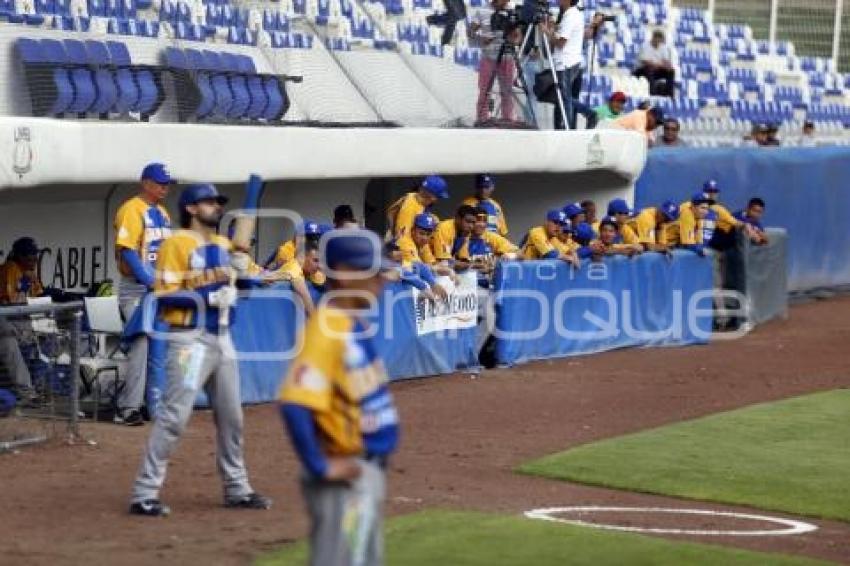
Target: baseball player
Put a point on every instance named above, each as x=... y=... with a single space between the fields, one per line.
x=485 y=184
x=752 y=217
x=310 y=231
x=450 y=238
x=543 y=242
x=141 y=225
x=575 y=213
x=610 y=241
x=401 y=213
x=339 y=413
x=484 y=247
x=417 y=260
x=652 y=225
x=303 y=270
x=688 y=232
x=19 y=273
x=196 y=298
x=619 y=211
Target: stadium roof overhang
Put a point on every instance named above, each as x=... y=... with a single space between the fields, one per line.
x=37 y=151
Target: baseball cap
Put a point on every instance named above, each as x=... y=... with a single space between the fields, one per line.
x=699 y=198
x=436 y=185
x=355 y=248
x=762 y=128
x=158 y=173
x=567 y=226
x=425 y=221
x=618 y=206
x=711 y=186
x=658 y=113
x=556 y=215
x=194 y=194
x=311 y=228
x=24 y=247
x=484 y=181
x=573 y=209
x=609 y=222
x=584 y=232
x=670 y=210
x=618 y=96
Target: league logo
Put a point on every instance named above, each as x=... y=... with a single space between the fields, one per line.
x=22 y=152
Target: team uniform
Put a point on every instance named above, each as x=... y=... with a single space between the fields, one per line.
x=647 y=230
x=496 y=222
x=141 y=228
x=340 y=380
x=446 y=243
x=16 y=285
x=540 y=246
x=485 y=248
x=688 y=231
x=196 y=360
x=412 y=254
x=408 y=208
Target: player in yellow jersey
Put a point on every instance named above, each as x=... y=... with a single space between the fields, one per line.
x=619 y=211
x=652 y=225
x=610 y=241
x=484 y=248
x=543 y=242
x=196 y=297
x=450 y=238
x=402 y=212
x=309 y=231
x=141 y=226
x=485 y=184
x=419 y=266
x=688 y=231
x=339 y=412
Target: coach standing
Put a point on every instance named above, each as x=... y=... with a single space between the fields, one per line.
x=141 y=225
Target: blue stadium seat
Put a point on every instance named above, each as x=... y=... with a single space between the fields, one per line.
x=85 y=91
x=238 y=85
x=256 y=88
x=104 y=77
x=50 y=86
x=221 y=86
x=277 y=105
x=149 y=92
x=196 y=61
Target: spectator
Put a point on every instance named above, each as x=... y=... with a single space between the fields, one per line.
x=455 y=12
x=772 y=133
x=449 y=241
x=688 y=231
x=620 y=213
x=653 y=224
x=752 y=216
x=759 y=136
x=613 y=108
x=344 y=217
x=566 y=36
x=670 y=135
x=543 y=242
x=654 y=63
x=492 y=71
x=309 y=232
x=486 y=247
x=19 y=273
x=589 y=208
x=418 y=262
x=642 y=121
x=402 y=212
x=13 y=362
x=575 y=213
x=484 y=186
x=807 y=139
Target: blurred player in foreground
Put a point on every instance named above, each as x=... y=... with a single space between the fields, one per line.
x=196 y=295
x=339 y=412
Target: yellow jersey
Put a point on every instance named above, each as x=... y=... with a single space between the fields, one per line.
x=16 y=284
x=411 y=254
x=446 y=244
x=538 y=245
x=687 y=230
x=140 y=227
x=645 y=229
x=402 y=213
x=496 y=222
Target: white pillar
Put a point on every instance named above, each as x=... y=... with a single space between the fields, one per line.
x=711 y=6
x=774 y=11
x=836 y=33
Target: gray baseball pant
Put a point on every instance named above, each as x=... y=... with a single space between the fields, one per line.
x=197 y=360
x=132 y=395
x=347 y=522
x=11 y=358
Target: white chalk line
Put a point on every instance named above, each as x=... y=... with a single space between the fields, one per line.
x=792 y=527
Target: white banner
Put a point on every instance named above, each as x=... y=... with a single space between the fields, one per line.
x=458 y=310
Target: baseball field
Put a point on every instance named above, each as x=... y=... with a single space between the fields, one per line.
x=699 y=455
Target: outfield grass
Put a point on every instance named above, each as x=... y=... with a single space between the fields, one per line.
x=792 y=456
x=447 y=538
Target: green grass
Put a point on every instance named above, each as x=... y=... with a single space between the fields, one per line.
x=792 y=456
x=474 y=539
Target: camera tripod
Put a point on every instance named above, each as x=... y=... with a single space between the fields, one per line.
x=511 y=50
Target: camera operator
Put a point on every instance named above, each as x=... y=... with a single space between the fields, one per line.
x=654 y=64
x=490 y=29
x=566 y=35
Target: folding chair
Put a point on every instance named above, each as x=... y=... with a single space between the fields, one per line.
x=104 y=321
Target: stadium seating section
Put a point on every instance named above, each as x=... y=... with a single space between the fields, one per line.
x=726 y=79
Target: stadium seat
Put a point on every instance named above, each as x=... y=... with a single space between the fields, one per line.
x=127 y=93
x=51 y=91
x=256 y=88
x=150 y=97
x=278 y=103
x=238 y=85
x=221 y=85
x=97 y=56
x=196 y=63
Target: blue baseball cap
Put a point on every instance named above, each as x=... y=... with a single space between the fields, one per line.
x=700 y=198
x=584 y=232
x=484 y=181
x=24 y=247
x=158 y=173
x=194 y=194
x=7 y=402
x=355 y=248
x=609 y=221
x=425 y=221
x=567 y=226
x=556 y=215
x=670 y=210
x=436 y=185
x=573 y=209
x=618 y=206
x=311 y=228
x=711 y=186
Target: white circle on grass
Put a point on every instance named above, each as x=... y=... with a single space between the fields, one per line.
x=790 y=526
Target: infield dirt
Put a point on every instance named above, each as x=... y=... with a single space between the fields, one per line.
x=462 y=438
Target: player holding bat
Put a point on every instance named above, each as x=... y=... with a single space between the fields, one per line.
x=196 y=294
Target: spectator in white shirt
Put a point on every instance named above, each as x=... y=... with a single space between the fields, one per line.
x=654 y=64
